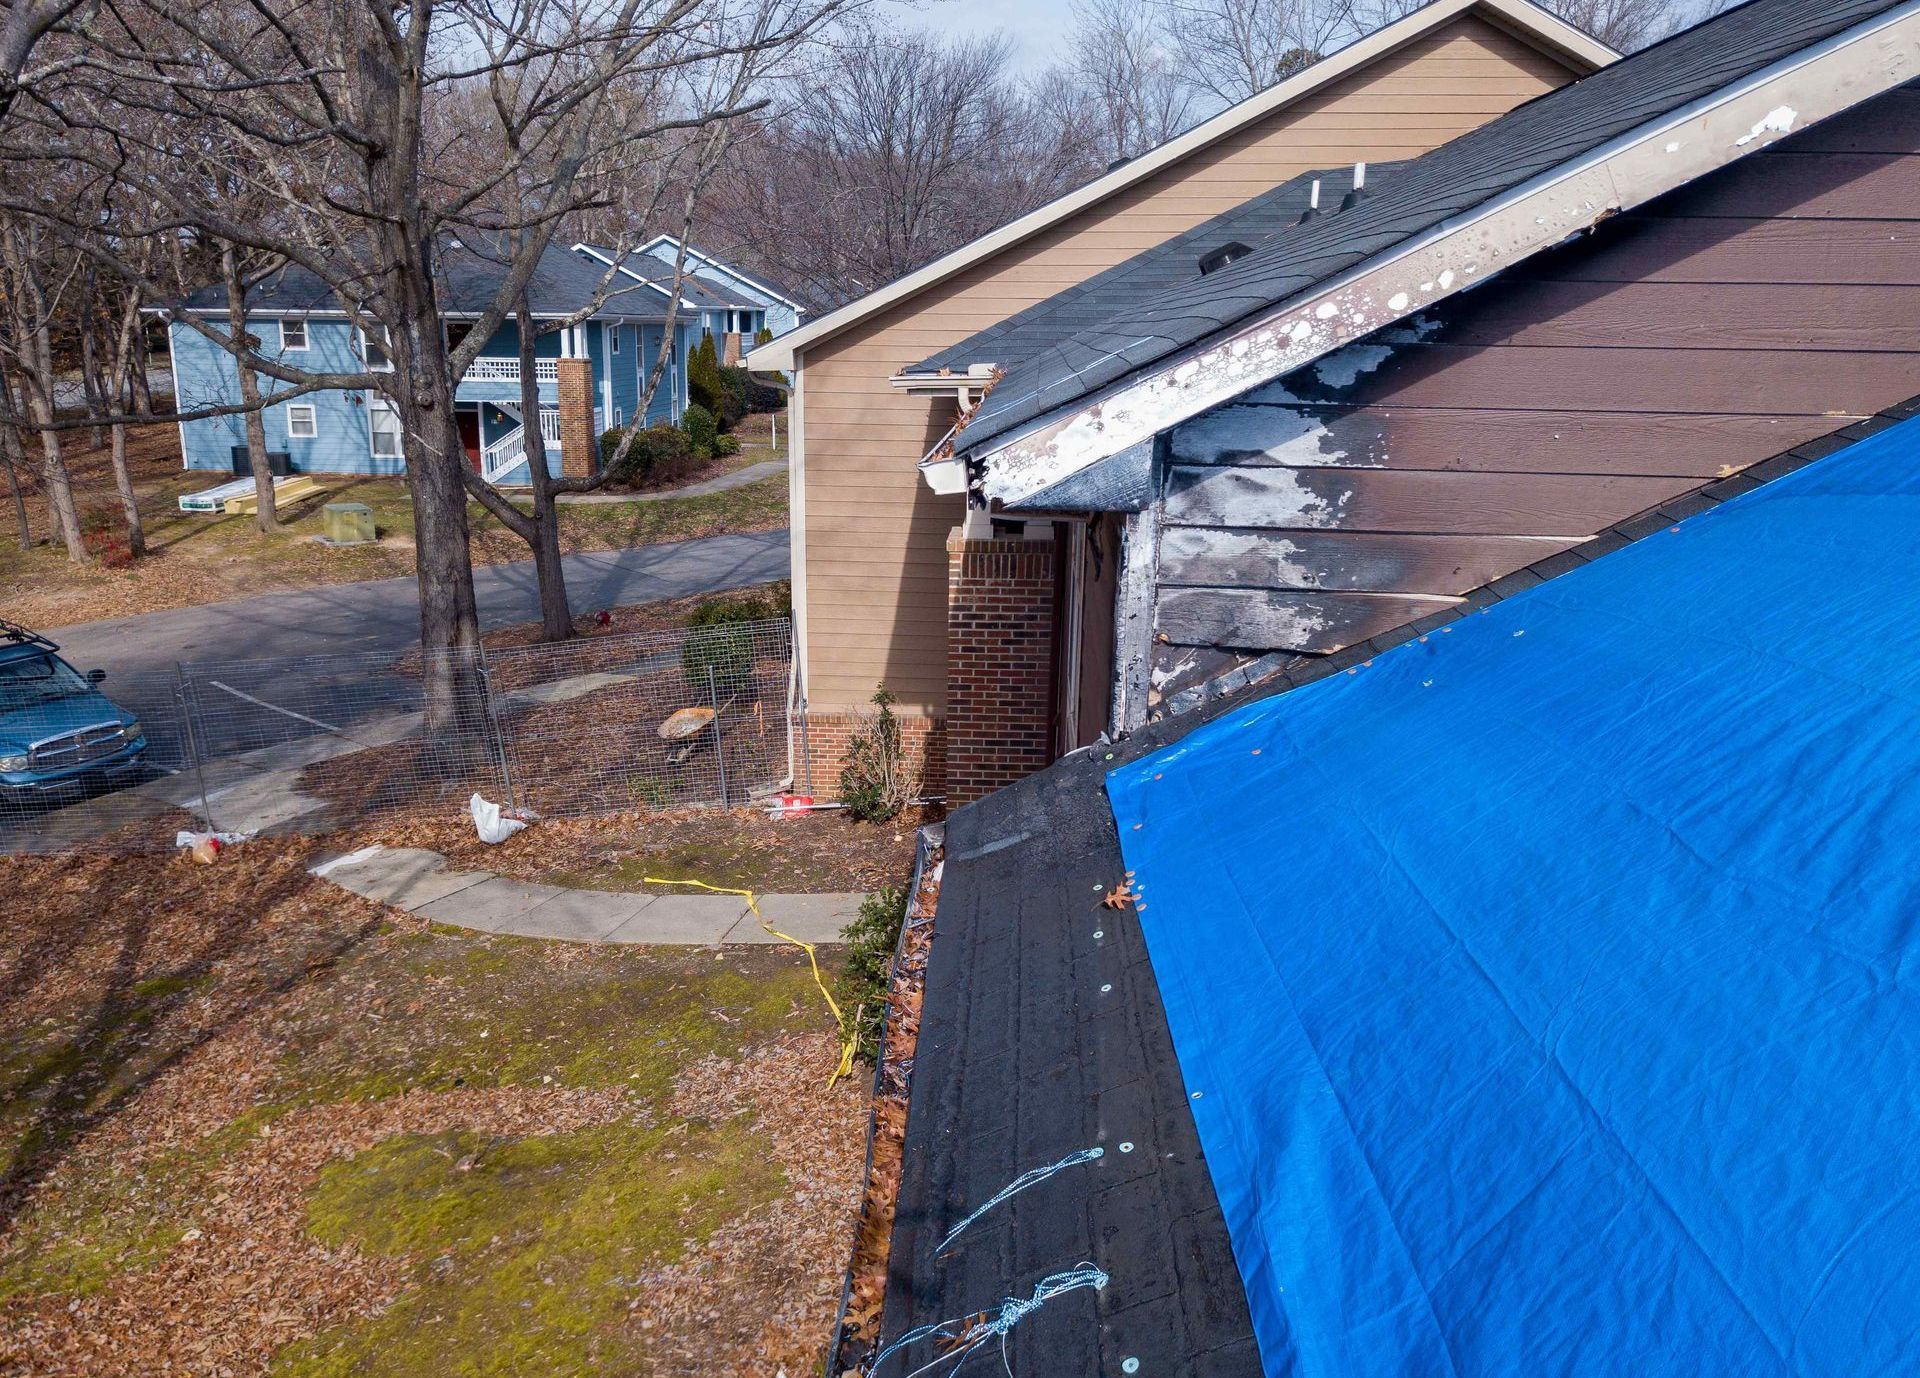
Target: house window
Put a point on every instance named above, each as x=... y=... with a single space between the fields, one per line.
x=619 y=417
x=375 y=349
x=303 y=423
x=616 y=339
x=383 y=425
x=293 y=335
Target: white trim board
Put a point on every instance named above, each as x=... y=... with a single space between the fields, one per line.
x=1650 y=160
x=723 y=267
x=1523 y=19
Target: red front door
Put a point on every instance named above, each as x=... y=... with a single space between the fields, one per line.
x=469 y=419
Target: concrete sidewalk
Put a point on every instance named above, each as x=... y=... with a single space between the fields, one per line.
x=420 y=882
x=739 y=478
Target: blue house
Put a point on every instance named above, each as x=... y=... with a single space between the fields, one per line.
x=763 y=305
x=296 y=315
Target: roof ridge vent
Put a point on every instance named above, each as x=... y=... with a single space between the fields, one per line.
x=1222 y=256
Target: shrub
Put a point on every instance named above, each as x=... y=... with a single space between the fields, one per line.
x=761 y=397
x=705 y=387
x=763 y=336
x=861 y=992
x=733 y=397
x=718 y=611
x=874 y=784
x=724 y=648
x=97 y=521
x=658 y=453
x=701 y=431
x=115 y=553
x=726 y=446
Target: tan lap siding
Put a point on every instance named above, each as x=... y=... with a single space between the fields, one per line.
x=875 y=540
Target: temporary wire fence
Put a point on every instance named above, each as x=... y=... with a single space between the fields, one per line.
x=683 y=716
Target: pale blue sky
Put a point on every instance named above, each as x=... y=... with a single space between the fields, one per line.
x=1039 y=28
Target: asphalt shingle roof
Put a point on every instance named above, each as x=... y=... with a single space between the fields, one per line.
x=1155 y=321
x=1147 y=276
x=703 y=294
x=562 y=283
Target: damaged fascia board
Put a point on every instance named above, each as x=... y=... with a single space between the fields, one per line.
x=1659 y=156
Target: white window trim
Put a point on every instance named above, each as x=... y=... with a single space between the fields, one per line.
x=312 y=413
x=373 y=406
x=306 y=340
x=386 y=348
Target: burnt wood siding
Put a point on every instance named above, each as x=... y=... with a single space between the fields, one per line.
x=1758 y=309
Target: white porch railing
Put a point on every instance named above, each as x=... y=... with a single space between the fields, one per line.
x=490 y=368
x=510 y=450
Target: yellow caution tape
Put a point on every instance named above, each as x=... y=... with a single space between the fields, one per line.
x=849 y=1036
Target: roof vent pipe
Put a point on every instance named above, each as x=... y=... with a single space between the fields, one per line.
x=1313 y=204
x=1359 y=192
x=1119 y=162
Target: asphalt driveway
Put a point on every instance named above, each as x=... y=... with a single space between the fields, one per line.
x=384 y=614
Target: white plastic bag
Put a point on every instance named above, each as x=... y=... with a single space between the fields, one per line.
x=491 y=822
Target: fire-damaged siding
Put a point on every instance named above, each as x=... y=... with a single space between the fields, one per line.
x=1757 y=309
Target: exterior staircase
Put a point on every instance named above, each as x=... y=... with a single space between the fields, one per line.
x=509 y=451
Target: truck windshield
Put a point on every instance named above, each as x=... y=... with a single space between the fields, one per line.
x=38 y=679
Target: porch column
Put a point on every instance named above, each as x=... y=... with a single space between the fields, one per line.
x=579 y=445
x=1000 y=656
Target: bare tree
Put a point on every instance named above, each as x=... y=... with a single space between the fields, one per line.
x=1623 y=24
x=1229 y=50
x=895 y=149
x=128 y=343
x=36 y=278
x=13 y=455
x=325 y=109
x=1133 y=77
x=27 y=23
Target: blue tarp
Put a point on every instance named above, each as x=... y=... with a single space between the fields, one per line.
x=1542 y=987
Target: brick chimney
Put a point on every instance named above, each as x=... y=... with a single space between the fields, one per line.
x=1000 y=600
x=579 y=445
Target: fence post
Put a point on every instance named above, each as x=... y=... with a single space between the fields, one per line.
x=194 y=753
x=495 y=731
x=719 y=742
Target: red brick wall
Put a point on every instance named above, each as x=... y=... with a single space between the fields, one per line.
x=821 y=751
x=577 y=440
x=1000 y=602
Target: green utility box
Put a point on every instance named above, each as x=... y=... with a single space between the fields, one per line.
x=346 y=523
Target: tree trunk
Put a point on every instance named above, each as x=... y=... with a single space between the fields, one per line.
x=33 y=355
x=266 y=518
x=123 y=482
x=556 y=615
x=64 y=516
x=93 y=385
x=13 y=454
x=423 y=393
x=142 y=387
x=125 y=346
x=435 y=458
